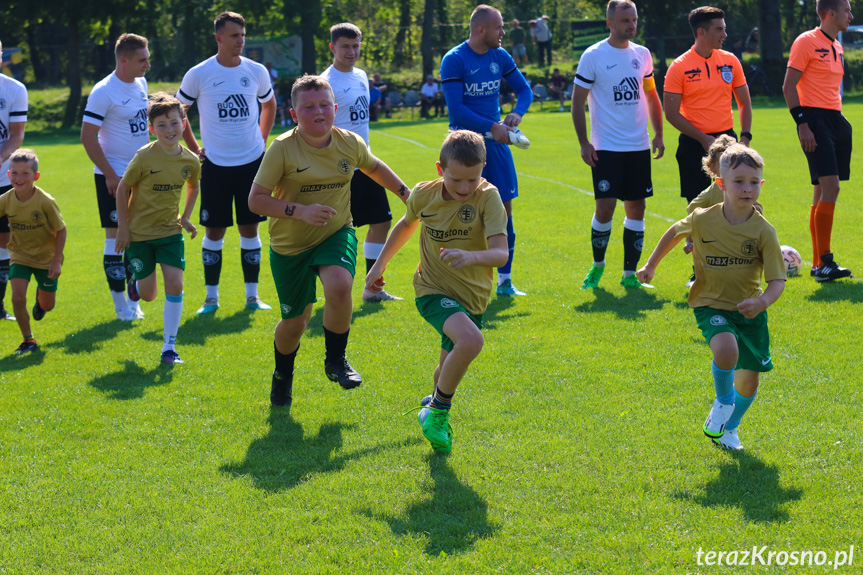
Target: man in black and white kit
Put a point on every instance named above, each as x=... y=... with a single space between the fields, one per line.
x=227 y=88
x=369 y=205
x=114 y=127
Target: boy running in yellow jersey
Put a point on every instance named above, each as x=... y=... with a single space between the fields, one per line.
x=148 y=225
x=304 y=187
x=733 y=244
x=36 y=246
x=463 y=238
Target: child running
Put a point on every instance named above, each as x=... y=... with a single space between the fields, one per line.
x=732 y=245
x=148 y=225
x=463 y=238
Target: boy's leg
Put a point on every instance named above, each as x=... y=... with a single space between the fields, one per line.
x=173 y=312
x=4 y=272
x=286 y=344
x=337 y=283
x=725 y=355
x=745 y=390
x=19 y=304
x=148 y=287
x=467 y=343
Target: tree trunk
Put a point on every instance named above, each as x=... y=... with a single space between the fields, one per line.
x=310 y=21
x=399 y=56
x=74 y=74
x=770 y=42
x=443 y=31
x=35 y=54
x=428 y=36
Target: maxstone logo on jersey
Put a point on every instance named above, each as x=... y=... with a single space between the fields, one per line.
x=482 y=88
x=234 y=107
x=627 y=90
x=360 y=109
x=138 y=124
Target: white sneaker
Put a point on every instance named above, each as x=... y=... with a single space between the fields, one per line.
x=372 y=297
x=729 y=440
x=562 y=109
x=139 y=313
x=126 y=314
x=714 y=425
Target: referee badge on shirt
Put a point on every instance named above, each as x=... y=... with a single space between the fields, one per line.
x=726 y=72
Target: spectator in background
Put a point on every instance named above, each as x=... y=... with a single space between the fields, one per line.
x=282 y=108
x=557 y=86
x=516 y=36
x=541 y=36
x=431 y=96
x=382 y=87
x=375 y=99
x=752 y=41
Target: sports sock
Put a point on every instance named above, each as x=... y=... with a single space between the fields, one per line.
x=115 y=272
x=336 y=344
x=171 y=318
x=441 y=400
x=502 y=278
x=285 y=362
x=371 y=251
x=510 y=241
x=824 y=226
x=741 y=404
x=723 y=382
x=816 y=256
x=633 y=243
x=211 y=253
x=250 y=252
x=4 y=274
x=599 y=234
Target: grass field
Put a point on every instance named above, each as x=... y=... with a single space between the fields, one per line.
x=577 y=431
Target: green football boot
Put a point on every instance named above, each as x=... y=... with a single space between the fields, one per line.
x=591 y=281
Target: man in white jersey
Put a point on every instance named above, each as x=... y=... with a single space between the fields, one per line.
x=369 y=205
x=114 y=127
x=615 y=77
x=227 y=88
x=13 y=118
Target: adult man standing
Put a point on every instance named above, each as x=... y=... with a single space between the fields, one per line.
x=541 y=36
x=369 y=205
x=471 y=74
x=812 y=91
x=698 y=89
x=13 y=118
x=113 y=128
x=615 y=77
x=227 y=87
x=516 y=37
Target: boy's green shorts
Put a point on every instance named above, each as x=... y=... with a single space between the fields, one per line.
x=437 y=308
x=23 y=272
x=143 y=256
x=296 y=276
x=753 y=338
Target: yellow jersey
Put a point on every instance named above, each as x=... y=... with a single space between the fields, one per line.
x=34 y=225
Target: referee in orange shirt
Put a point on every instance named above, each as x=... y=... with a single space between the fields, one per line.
x=813 y=79
x=697 y=99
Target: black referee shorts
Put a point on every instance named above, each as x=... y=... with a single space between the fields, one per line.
x=832 y=155
x=693 y=180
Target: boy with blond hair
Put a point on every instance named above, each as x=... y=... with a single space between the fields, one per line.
x=463 y=238
x=36 y=247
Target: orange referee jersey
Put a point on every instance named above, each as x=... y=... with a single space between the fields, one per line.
x=706 y=86
x=819 y=58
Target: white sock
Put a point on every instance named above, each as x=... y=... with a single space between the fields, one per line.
x=111 y=246
x=212 y=292
x=502 y=278
x=251 y=290
x=171 y=318
x=4 y=254
x=133 y=305
x=250 y=243
x=372 y=251
x=119 y=298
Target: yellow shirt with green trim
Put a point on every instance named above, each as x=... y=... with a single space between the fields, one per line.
x=157 y=182
x=459 y=225
x=302 y=174
x=711 y=196
x=729 y=260
x=34 y=225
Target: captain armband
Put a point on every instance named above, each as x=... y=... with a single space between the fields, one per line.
x=649 y=84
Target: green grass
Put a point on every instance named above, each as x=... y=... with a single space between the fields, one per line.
x=577 y=431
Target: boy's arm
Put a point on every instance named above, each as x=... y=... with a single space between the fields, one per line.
x=124 y=194
x=385 y=176
x=495 y=256
x=399 y=236
x=192 y=189
x=57 y=262
x=665 y=245
x=262 y=202
x=753 y=306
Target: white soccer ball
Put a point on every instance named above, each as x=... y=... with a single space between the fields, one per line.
x=793 y=261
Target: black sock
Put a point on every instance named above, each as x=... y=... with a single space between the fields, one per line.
x=212 y=266
x=251 y=265
x=599 y=241
x=633 y=243
x=336 y=344
x=4 y=279
x=369 y=264
x=285 y=362
x=115 y=272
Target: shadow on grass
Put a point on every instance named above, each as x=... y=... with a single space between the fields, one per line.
x=14 y=362
x=132 y=381
x=316 y=322
x=750 y=484
x=633 y=306
x=829 y=292
x=454 y=519
x=284 y=458
x=199 y=329
x=89 y=340
x=495 y=312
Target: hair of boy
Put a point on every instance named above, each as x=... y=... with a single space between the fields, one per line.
x=822 y=7
x=464 y=147
x=222 y=20
x=25 y=155
x=162 y=104
x=345 y=30
x=128 y=44
x=481 y=14
x=308 y=82
x=719 y=145
x=702 y=17
x=739 y=154
x=615 y=5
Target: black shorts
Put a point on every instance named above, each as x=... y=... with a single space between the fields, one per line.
x=622 y=175
x=693 y=180
x=107 y=202
x=223 y=187
x=369 y=203
x=832 y=155
x=4 y=221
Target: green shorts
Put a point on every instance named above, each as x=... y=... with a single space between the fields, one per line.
x=23 y=272
x=296 y=276
x=753 y=338
x=143 y=256
x=437 y=308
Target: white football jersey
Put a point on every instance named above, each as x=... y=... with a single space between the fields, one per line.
x=351 y=90
x=228 y=106
x=13 y=109
x=120 y=111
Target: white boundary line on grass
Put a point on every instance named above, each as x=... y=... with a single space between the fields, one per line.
x=522 y=174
